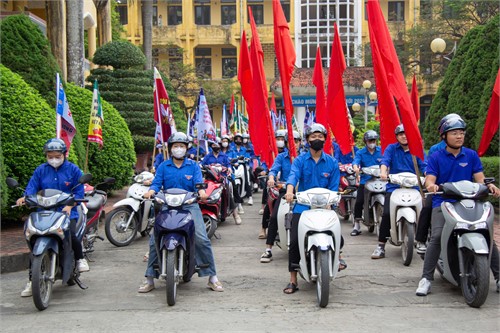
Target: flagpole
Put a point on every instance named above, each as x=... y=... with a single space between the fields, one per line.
x=153 y=158
x=58 y=117
x=86 y=158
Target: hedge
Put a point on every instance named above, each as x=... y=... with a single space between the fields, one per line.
x=491 y=166
x=117 y=157
x=26 y=51
x=119 y=54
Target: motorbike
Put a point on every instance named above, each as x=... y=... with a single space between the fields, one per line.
x=284 y=218
x=405 y=207
x=319 y=235
x=348 y=187
x=374 y=199
x=212 y=208
x=132 y=214
x=174 y=234
x=467 y=239
x=96 y=201
x=242 y=175
x=48 y=235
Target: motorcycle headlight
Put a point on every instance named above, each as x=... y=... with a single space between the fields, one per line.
x=174 y=200
x=471 y=226
x=47 y=201
x=215 y=196
x=319 y=200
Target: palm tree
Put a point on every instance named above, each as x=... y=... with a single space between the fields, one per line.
x=74 y=41
x=56 y=32
x=147 y=32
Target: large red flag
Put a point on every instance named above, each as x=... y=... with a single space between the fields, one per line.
x=338 y=118
x=414 y=98
x=285 y=55
x=492 y=119
x=260 y=97
x=318 y=80
x=395 y=78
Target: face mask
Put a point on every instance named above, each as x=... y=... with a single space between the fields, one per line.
x=225 y=144
x=216 y=149
x=245 y=140
x=238 y=143
x=55 y=162
x=372 y=145
x=190 y=145
x=317 y=145
x=280 y=144
x=178 y=153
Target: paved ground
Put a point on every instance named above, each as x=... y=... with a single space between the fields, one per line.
x=370 y=295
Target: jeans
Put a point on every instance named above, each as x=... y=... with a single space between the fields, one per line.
x=385 y=224
x=424 y=221
x=203 y=247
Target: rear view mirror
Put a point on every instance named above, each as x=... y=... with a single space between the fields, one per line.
x=201 y=186
x=85 y=178
x=12 y=183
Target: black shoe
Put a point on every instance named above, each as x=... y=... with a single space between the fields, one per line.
x=355 y=232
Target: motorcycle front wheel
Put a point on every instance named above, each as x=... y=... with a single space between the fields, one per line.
x=210 y=225
x=323 y=280
x=475 y=279
x=41 y=285
x=408 y=242
x=116 y=228
x=172 y=272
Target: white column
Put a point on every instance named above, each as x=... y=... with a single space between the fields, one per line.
x=300 y=114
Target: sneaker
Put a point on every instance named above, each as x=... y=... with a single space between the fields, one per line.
x=261 y=211
x=250 y=201
x=240 y=209
x=237 y=219
x=424 y=287
x=379 y=253
x=146 y=287
x=27 y=290
x=421 y=248
x=266 y=257
x=82 y=265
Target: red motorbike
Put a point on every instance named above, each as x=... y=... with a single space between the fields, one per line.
x=96 y=200
x=348 y=188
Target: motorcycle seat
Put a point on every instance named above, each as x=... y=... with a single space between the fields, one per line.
x=95 y=202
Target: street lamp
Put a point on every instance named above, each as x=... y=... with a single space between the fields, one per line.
x=356 y=107
x=367 y=85
x=438 y=45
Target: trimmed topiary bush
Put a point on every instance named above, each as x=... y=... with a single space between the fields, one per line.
x=117 y=156
x=119 y=54
x=26 y=51
x=491 y=166
x=4 y=196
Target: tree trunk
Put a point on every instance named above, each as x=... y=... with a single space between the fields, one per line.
x=147 y=32
x=103 y=8
x=56 y=32
x=74 y=37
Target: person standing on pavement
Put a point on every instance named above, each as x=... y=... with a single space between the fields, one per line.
x=181 y=172
x=59 y=174
x=452 y=164
x=397 y=158
x=312 y=169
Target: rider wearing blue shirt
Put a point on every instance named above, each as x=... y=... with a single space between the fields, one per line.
x=396 y=159
x=236 y=152
x=159 y=158
x=312 y=169
x=368 y=156
x=438 y=146
x=454 y=163
x=343 y=158
x=216 y=157
x=180 y=172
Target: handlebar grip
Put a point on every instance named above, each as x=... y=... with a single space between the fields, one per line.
x=81 y=200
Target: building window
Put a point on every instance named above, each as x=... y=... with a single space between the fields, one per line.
x=174 y=12
x=155 y=12
x=396 y=12
x=202 y=12
x=155 y=57
x=174 y=55
x=121 y=9
x=203 y=62
x=285 y=5
x=257 y=11
x=228 y=14
x=229 y=62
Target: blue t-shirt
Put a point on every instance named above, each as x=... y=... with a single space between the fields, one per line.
x=398 y=160
x=343 y=158
x=233 y=153
x=281 y=165
x=309 y=174
x=170 y=176
x=158 y=160
x=448 y=168
x=438 y=146
x=221 y=159
x=365 y=159
x=63 y=179
x=193 y=151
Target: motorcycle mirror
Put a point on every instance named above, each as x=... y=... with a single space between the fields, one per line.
x=85 y=178
x=12 y=183
x=109 y=180
x=201 y=186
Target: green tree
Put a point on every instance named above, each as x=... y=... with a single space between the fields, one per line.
x=120 y=55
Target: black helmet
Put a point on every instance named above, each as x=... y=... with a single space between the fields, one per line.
x=281 y=134
x=452 y=124
x=446 y=118
x=370 y=135
x=315 y=128
x=296 y=135
x=57 y=145
x=399 y=129
x=177 y=137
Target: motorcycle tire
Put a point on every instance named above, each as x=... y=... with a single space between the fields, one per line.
x=475 y=280
x=115 y=222
x=40 y=283
x=210 y=225
x=323 y=280
x=408 y=242
x=172 y=272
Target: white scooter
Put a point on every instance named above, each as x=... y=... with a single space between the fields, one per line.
x=374 y=198
x=319 y=235
x=405 y=207
x=242 y=175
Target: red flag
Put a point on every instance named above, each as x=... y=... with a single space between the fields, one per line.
x=273 y=104
x=395 y=78
x=162 y=112
x=414 y=98
x=260 y=98
x=318 y=80
x=285 y=55
x=338 y=118
x=492 y=119
x=231 y=107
